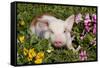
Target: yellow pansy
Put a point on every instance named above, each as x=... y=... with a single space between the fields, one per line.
x=25 y=51
x=38 y=61
x=21 y=39
x=39 y=55
x=31 y=53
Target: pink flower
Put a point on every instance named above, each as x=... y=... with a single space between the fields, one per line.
x=94 y=18
x=78 y=18
x=87 y=28
x=87 y=22
x=81 y=36
x=94 y=29
x=87 y=18
x=83 y=55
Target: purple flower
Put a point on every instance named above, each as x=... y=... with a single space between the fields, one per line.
x=87 y=28
x=94 y=18
x=78 y=18
x=87 y=16
x=94 y=29
x=83 y=55
x=87 y=22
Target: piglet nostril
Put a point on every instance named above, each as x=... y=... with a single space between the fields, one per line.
x=55 y=42
x=58 y=42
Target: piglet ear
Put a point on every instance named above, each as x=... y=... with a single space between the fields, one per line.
x=43 y=24
x=42 y=20
x=69 y=22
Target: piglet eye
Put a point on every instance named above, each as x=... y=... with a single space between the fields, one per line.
x=64 y=31
x=51 y=31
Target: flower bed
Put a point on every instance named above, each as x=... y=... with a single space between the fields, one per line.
x=33 y=50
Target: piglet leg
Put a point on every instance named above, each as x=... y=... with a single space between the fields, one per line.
x=69 y=43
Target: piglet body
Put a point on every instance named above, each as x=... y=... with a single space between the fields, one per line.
x=57 y=30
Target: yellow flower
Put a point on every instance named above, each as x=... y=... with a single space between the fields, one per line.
x=49 y=51
x=38 y=61
x=29 y=59
x=25 y=51
x=40 y=55
x=22 y=23
x=21 y=39
x=31 y=53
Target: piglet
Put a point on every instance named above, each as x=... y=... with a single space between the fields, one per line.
x=57 y=30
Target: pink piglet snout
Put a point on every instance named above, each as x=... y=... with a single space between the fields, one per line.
x=58 y=42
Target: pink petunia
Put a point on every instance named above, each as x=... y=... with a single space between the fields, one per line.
x=78 y=18
x=87 y=22
x=94 y=29
x=94 y=18
x=87 y=16
x=87 y=28
x=82 y=36
x=83 y=55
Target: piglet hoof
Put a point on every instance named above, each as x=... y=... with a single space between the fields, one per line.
x=79 y=47
x=77 y=50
